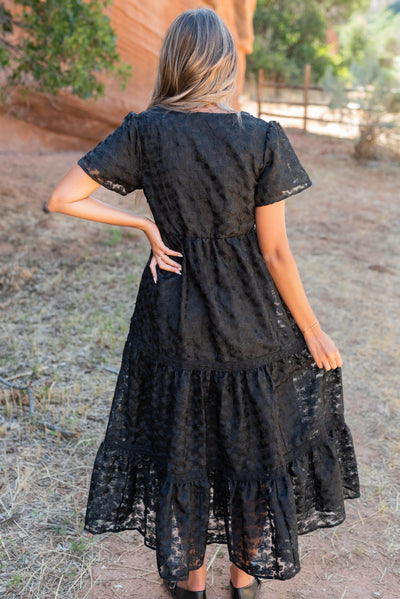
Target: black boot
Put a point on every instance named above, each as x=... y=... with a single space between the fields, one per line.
x=248 y=592
x=180 y=593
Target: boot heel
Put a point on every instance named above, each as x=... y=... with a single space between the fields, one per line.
x=183 y=593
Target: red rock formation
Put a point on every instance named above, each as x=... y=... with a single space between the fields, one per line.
x=140 y=26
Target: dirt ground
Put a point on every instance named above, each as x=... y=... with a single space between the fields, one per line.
x=67 y=292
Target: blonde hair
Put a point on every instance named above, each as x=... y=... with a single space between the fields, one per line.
x=198 y=63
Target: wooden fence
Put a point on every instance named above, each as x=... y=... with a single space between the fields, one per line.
x=305 y=103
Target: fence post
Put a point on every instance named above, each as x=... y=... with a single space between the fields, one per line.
x=307 y=77
x=260 y=82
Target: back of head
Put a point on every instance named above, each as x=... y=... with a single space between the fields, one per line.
x=198 y=63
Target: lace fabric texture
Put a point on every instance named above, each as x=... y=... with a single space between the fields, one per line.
x=222 y=428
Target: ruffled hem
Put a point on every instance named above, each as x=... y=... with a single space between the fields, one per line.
x=251 y=458
x=259 y=518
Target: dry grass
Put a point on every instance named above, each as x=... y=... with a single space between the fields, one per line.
x=67 y=292
x=56 y=332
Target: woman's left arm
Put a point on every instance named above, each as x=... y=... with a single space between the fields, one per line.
x=72 y=196
x=274 y=245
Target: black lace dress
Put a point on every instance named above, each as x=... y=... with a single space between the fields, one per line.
x=222 y=428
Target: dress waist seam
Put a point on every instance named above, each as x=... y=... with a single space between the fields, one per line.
x=215 y=365
x=210 y=237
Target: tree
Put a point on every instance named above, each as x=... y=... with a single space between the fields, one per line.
x=339 y=12
x=50 y=45
x=291 y=33
x=370 y=49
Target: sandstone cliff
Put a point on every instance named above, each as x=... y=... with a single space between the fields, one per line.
x=67 y=122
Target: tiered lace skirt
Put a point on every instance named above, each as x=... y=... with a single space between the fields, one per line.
x=252 y=458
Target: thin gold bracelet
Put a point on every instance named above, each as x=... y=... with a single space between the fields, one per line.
x=316 y=324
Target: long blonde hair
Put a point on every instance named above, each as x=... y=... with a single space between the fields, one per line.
x=198 y=63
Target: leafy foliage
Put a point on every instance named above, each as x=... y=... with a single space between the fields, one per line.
x=291 y=33
x=374 y=38
x=370 y=49
x=65 y=44
x=338 y=12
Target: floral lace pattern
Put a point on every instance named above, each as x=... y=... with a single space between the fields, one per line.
x=222 y=428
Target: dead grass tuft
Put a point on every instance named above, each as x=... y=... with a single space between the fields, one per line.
x=13 y=277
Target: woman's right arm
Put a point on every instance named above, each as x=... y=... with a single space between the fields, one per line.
x=274 y=245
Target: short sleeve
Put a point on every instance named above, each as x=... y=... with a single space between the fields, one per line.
x=282 y=175
x=115 y=162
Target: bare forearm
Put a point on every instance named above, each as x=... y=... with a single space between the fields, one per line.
x=95 y=210
x=72 y=196
x=285 y=274
x=274 y=246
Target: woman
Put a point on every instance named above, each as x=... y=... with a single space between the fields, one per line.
x=227 y=421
